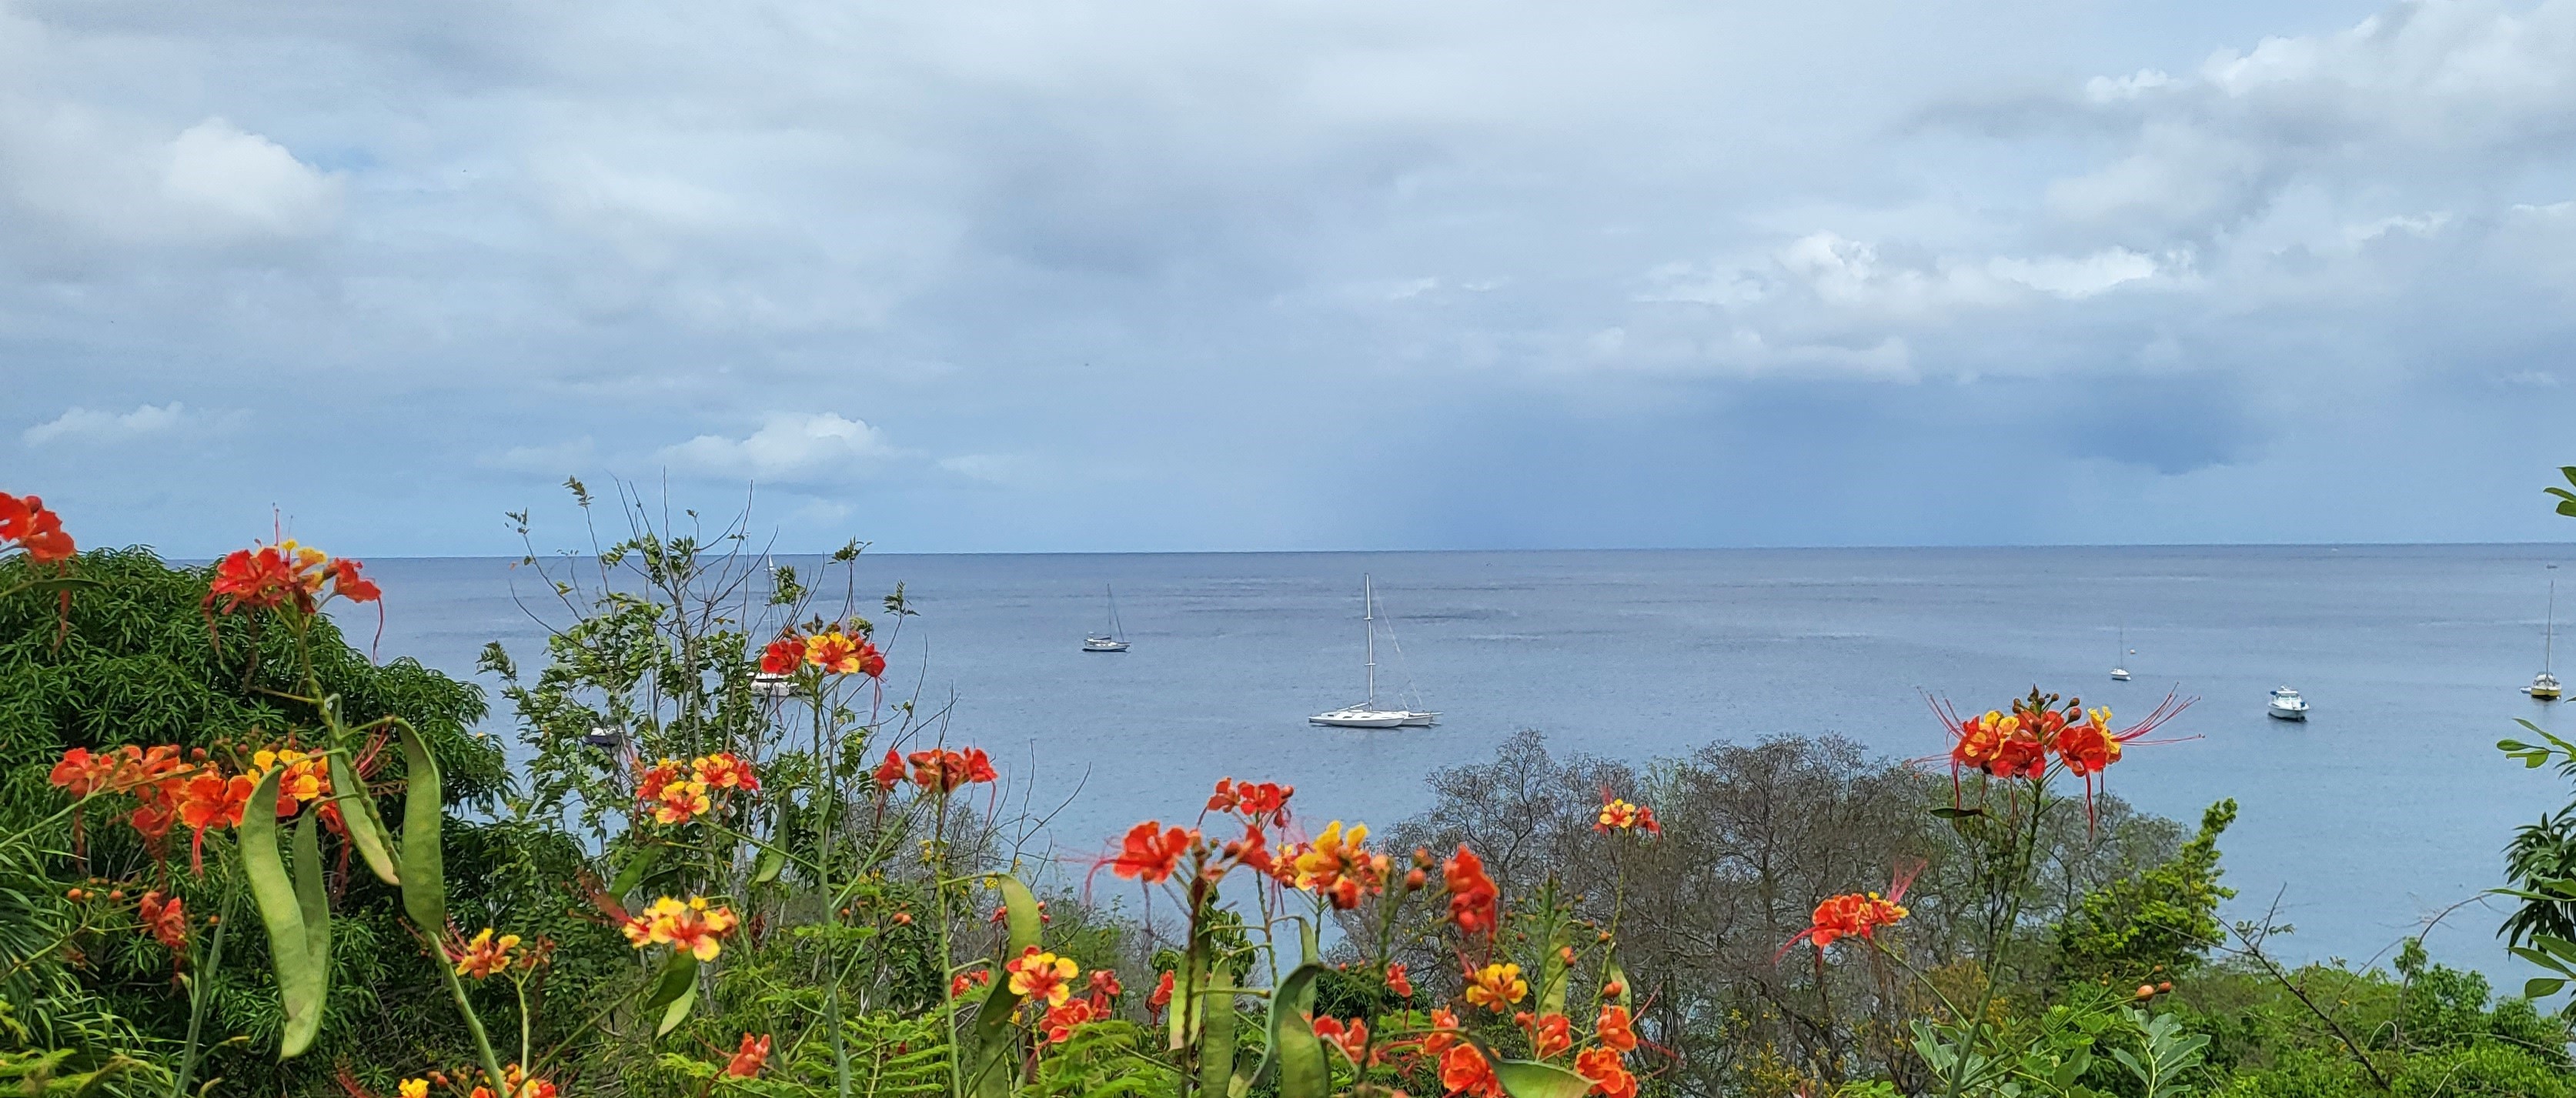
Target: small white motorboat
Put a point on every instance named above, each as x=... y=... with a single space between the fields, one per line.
x=2288 y=705
x=1115 y=639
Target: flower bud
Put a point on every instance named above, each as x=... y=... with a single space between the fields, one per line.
x=2164 y=986
x=2146 y=991
x=1416 y=879
x=116 y=894
x=903 y=918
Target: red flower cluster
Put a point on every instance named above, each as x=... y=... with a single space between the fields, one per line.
x=833 y=650
x=1473 y=899
x=2022 y=743
x=26 y=523
x=167 y=922
x=1620 y=815
x=1351 y=1037
x=271 y=576
x=1336 y=866
x=169 y=790
x=943 y=770
x=1853 y=915
x=748 y=1059
x=1152 y=854
x=1264 y=804
x=678 y=794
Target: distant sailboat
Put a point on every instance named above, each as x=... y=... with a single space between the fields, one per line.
x=1115 y=640
x=2120 y=663
x=1367 y=714
x=2544 y=686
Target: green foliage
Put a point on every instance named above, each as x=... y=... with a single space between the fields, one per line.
x=2156 y=925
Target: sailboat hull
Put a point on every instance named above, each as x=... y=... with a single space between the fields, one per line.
x=1360 y=718
x=1104 y=646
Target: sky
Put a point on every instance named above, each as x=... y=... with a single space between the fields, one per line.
x=1007 y=275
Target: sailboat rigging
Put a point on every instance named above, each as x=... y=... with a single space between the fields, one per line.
x=2544 y=686
x=1115 y=640
x=1367 y=714
x=2120 y=658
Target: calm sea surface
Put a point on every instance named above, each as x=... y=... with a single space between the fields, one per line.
x=2389 y=804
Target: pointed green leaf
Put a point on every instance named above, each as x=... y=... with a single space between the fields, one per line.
x=1020 y=913
x=1216 y=1039
x=2542 y=987
x=1948 y=813
x=772 y=861
x=679 y=974
x=423 y=860
x=632 y=873
x=1531 y=1079
x=678 y=1011
x=366 y=825
x=1553 y=972
x=281 y=913
x=315 y=905
x=1295 y=1053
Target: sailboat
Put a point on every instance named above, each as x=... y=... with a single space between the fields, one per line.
x=2544 y=686
x=2120 y=663
x=1367 y=714
x=1115 y=640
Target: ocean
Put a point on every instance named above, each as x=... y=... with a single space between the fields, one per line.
x=2389 y=804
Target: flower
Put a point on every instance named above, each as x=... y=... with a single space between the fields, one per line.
x=723 y=770
x=2002 y=746
x=783 y=655
x=839 y=653
x=1152 y=854
x=1620 y=815
x=692 y=926
x=1259 y=804
x=270 y=576
x=1061 y=1019
x=1609 y=1077
x=1472 y=896
x=649 y=785
x=1397 y=981
x=166 y=922
x=1496 y=986
x=1162 y=996
x=209 y=800
x=1352 y=1037
x=1616 y=1030
x=1037 y=975
x=307 y=776
x=889 y=772
x=1105 y=985
x=747 y=1059
x=413 y=1088
x=484 y=955
x=25 y=521
x=1549 y=1035
x=1337 y=866
x=682 y=802
x=945 y=770
x=348 y=584
x=1464 y=1071
x=1853 y=914
x=81 y=773
x=969 y=980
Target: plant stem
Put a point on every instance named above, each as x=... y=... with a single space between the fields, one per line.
x=198 y=993
x=473 y=1022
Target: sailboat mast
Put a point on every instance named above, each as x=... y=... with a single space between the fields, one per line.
x=1368 y=625
x=2549 y=627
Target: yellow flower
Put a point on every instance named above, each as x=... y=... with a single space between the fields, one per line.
x=1497 y=986
x=1038 y=975
x=415 y=1088
x=483 y=956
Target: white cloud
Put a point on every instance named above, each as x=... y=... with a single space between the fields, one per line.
x=109 y=176
x=793 y=447
x=84 y=426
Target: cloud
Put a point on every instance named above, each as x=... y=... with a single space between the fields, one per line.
x=82 y=426
x=111 y=177
x=789 y=447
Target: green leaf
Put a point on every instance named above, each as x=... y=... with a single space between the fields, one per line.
x=424 y=861
x=632 y=873
x=679 y=976
x=281 y=913
x=1552 y=974
x=992 y=1054
x=315 y=904
x=678 y=1011
x=1216 y=1038
x=1021 y=914
x=1532 y=1079
x=2544 y=960
x=1948 y=813
x=2558 y=947
x=365 y=824
x=772 y=861
x=2542 y=987
x=1295 y=1053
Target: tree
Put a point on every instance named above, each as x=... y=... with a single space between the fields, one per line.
x=2155 y=925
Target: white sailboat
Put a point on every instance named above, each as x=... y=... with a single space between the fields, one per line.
x=2120 y=663
x=1115 y=640
x=2544 y=686
x=1367 y=714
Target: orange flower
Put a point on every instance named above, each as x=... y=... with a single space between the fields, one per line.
x=1162 y=996
x=945 y=770
x=1265 y=803
x=783 y=655
x=1853 y=914
x=723 y=770
x=1464 y=1071
x=1037 y=975
x=890 y=772
x=1338 y=866
x=839 y=653
x=1152 y=854
x=968 y=981
x=747 y=1060
x=1473 y=900
x=2001 y=746
x=307 y=777
x=1105 y=986
x=1496 y=986
x=25 y=521
x=1061 y=1019
x=81 y=773
x=1444 y=1032
x=210 y=800
x=1616 y=1030
x=484 y=955
x=1610 y=1078
x=692 y=926
x=1397 y=982
x=1352 y=1038
x=1620 y=815
x=649 y=785
x=1549 y=1035
x=271 y=576
x=166 y=922
x=682 y=802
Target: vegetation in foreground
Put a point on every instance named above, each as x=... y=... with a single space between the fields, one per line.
x=237 y=856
